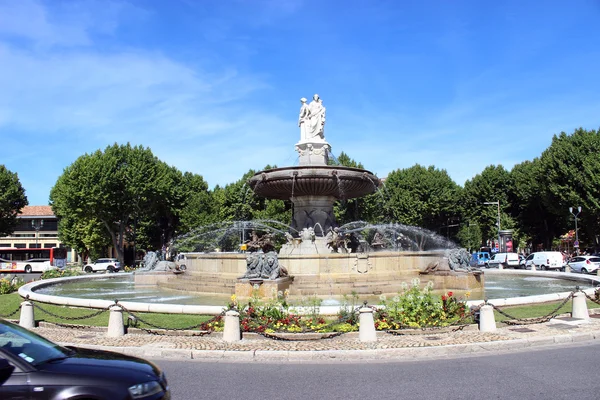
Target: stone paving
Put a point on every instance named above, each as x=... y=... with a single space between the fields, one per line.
x=416 y=343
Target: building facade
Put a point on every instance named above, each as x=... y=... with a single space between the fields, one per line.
x=37 y=228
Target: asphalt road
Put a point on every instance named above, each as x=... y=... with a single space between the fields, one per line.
x=26 y=277
x=569 y=372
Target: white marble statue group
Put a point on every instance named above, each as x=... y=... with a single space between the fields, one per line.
x=312 y=119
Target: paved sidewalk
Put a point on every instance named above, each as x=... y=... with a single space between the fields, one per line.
x=410 y=345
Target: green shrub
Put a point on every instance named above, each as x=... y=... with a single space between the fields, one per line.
x=60 y=273
x=10 y=285
x=418 y=308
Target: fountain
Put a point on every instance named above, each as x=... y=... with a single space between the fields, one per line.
x=319 y=257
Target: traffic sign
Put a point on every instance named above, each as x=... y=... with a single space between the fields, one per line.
x=576 y=243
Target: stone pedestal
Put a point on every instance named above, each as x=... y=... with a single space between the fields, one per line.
x=27 y=319
x=580 y=309
x=231 y=331
x=314 y=152
x=314 y=212
x=366 y=330
x=487 y=321
x=263 y=288
x=116 y=328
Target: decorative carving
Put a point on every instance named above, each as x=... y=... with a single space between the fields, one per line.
x=263 y=266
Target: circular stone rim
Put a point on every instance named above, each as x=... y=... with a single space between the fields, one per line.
x=314 y=180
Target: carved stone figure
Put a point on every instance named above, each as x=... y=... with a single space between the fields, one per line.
x=379 y=241
x=303 y=119
x=253 y=244
x=316 y=122
x=335 y=240
x=288 y=237
x=254 y=266
x=351 y=242
x=307 y=234
x=459 y=259
x=271 y=268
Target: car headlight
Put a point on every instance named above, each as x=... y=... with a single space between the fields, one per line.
x=142 y=390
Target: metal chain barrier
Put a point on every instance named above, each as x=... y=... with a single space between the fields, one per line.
x=11 y=314
x=590 y=298
x=538 y=320
x=91 y=315
x=187 y=328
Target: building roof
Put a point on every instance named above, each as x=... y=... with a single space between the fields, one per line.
x=36 y=211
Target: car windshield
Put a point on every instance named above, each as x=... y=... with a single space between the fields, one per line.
x=27 y=345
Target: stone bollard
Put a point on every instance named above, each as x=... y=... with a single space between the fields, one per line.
x=366 y=330
x=580 y=309
x=532 y=266
x=27 y=319
x=116 y=327
x=487 y=321
x=231 y=331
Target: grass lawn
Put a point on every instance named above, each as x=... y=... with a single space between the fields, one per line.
x=538 y=310
x=10 y=302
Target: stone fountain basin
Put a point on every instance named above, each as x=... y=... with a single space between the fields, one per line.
x=338 y=182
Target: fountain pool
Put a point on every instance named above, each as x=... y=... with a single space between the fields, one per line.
x=123 y=288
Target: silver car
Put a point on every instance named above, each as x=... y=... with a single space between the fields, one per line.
x=584 y=264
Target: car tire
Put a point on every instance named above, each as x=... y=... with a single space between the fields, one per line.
x=584 y=271
x=88 y=269
x=110 y=269
x=28 y=269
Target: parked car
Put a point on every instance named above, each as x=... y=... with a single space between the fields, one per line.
x=35 y=265
x=545 y=260
x=522 y=261
x=103 y=264
x=480 y=259
x=38 y=368
x=505 y=259
x=584 y=264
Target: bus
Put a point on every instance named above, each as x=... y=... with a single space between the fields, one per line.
x=12 y=257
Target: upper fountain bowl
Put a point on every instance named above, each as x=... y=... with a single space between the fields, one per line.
x=335 y=181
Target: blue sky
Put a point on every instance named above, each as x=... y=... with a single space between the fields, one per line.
x=213 y=87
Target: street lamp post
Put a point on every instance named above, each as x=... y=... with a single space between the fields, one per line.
x=498 y=204
x=37 y=227
x=576 y=244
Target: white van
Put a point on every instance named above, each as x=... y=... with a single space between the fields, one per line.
x=506 y=260
x=545 y=260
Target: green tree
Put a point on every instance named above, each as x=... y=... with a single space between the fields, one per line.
x=366 y=208
x=492 y=185
x=87 y=237
x=116 y=188
x=424 y=197
x=469 y=236
x=535 y=223
x=571 y=175
x=199 y=206
x=12 y=200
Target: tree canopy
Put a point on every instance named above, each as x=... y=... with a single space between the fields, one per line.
x=12 y=200
x=124 y=194
x=124 y=189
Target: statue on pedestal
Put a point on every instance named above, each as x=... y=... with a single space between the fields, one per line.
x=312 y=119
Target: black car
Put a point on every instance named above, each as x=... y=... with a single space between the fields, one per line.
x=40 y=369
